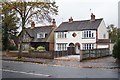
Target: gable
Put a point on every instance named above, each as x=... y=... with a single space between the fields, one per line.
x=102 y=30
x=36 y=32
x=26 y=37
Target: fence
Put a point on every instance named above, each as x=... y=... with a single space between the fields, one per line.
x=60 y=53
x=94 y=53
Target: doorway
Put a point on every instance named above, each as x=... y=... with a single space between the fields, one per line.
x=77 y=48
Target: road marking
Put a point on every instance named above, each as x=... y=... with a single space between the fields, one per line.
x=25 y=72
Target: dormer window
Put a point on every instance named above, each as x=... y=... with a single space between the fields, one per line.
x=40 y=35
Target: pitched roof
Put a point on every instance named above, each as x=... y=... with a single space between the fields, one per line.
x=33 y=33
x=79 y=25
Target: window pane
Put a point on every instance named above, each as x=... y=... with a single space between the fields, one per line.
x=85 y=34
x=65 y=35
x=92 y=46
x=88 y=46
x=89 y=33
x=62 y=34
x=82 y=34
x=104 y=36
x=92 y=34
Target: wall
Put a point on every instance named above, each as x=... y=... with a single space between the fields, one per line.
x=102 y=30
x=71 y=39
x=34 y=54
x=102 y=46
x=51 y=46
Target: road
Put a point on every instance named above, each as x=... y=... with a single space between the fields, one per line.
x=13 y=69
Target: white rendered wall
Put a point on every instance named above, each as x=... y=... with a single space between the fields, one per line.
x=77 y=39
x=102 y=30
x=102 y=46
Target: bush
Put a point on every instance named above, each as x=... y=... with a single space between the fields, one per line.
x=11 y=47
x=41 y=48
x=32 y=48
x=116 y=50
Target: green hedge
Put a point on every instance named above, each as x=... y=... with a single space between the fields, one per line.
x=116 y=50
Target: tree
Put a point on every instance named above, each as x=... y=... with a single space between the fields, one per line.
x=38 y=11
x=113 y=33
x=9 y=28
x=118 y=32
x=116 y=50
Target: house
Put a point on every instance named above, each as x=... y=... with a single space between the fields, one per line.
x=82 y=35
x=39 y=36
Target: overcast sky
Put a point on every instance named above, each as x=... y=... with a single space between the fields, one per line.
x=80 y=10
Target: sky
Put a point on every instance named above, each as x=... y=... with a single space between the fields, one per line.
x=80 y=10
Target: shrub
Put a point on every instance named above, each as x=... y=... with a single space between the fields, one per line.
x=41 y=48
x=11 y=47
x=116 y=50
x=32 y=48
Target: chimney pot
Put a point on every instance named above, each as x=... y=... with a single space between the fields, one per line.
x=71 y=19
x=32 y=24
x=53 y=23
x=92 y=17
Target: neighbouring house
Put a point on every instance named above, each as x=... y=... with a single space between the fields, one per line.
x=82 y=35
x=39 y=36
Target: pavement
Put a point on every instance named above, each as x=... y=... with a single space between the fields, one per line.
x=71 y=61
x=69 y=58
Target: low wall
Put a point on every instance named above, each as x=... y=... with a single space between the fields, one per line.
x=39 y=54
x=33 y=54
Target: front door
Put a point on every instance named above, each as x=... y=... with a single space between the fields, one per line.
x=77 y=49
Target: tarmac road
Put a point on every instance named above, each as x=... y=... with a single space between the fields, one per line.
x=12 y=69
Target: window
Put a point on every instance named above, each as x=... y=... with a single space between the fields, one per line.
x=41 y=35
x=61 y=46
x=90 y=34
x=87 y=34
x=26 y=47
x=61 y=35
x=88 y=46
x=104 y=36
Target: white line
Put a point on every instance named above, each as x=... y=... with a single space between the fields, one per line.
x=25 y=72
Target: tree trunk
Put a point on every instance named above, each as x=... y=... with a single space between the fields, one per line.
x=20 y=47
x=21 y=39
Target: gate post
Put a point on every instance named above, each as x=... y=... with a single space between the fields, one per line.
x=81 y=55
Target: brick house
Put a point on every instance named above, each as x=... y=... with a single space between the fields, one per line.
x=39 y=36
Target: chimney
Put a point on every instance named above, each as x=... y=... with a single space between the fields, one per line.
x=32 y=25
x=53 y=23
x=70 y=20
x=92 y=17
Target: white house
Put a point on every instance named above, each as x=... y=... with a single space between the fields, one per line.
x=83 y=35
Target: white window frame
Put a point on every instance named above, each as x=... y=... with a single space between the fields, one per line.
x=61 y=46
x=87 y=46
x=104 y=35
x=38 y=35
x=61 y=35
x=87 y=34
